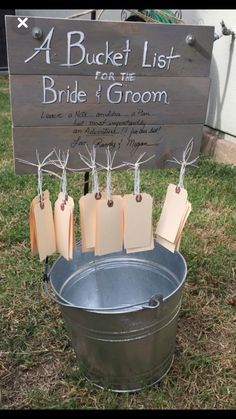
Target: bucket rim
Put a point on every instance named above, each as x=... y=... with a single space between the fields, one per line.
x=115 y=310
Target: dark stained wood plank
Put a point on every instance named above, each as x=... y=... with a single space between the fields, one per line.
x=149 y=100
x=141 y=48
x=129 y=142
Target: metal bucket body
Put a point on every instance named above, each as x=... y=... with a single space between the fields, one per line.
x=122 y=342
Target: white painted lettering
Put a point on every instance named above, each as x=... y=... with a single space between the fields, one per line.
x=116 y=92
x=171 y=57
x=46 y=48
x=145 y=55
x=152 y=60
x=52 y=95
x=47 y=89
x=130 y=96
x=161 y=61
x=77 y=44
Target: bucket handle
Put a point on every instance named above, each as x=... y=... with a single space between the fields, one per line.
x=153 y=303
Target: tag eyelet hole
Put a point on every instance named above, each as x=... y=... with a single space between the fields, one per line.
x=138 y=198
x=110 y=203
x=98 y=195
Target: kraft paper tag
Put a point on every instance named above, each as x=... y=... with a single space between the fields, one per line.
x=45 y=196
x=143 y=249
x=178 y=244
x=173 y=246
x=165 y=243
x=87 y=205
x=64 y=226
x=70 y=202
x=137 y=221
x=82 y=231
x=33 y=239
x=179 y=235
x=44 y=227
x=109 y=226
x=72 y=240
x=173 y=211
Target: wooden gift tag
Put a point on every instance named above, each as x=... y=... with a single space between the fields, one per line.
x=173 y=211
x=138 y=223
x=109 y=226
x=42 y=227
x=64 y=226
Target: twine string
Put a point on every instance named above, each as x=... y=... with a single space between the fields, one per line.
x=40 y=170
x=109 y=168
x=137 y=179
x=61 y=163
x=91 y=163
x=184 y=162
x=136 y=168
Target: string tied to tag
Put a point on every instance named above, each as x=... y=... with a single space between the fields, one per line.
x=40 y=170
x=40 y=185
x=91 y=163
x=40 y=175
x=109 y=168
x=184 y=163
x=136 y=168
x=61 y=163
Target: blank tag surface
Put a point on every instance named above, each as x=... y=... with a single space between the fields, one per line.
x=33 y=239
x=179 y=234
x=87 y=204
x=165 y=243
x=172 y=213
x=72 y=240
x=172 y=246
x=82 y=232
x=64 y=227
x=109 y=226
x=143 y=249
x=44 y=227
x=137 y=221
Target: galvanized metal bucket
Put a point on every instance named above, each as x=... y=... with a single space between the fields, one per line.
x=121 y=311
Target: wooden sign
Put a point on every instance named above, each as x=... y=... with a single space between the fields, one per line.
x=131 y=85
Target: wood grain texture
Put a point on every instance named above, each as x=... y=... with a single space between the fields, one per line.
x=129 y=142
x=182 y=100
x=194 y=59
x=155 y=99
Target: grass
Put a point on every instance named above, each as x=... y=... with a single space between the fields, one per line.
x=38 y=367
